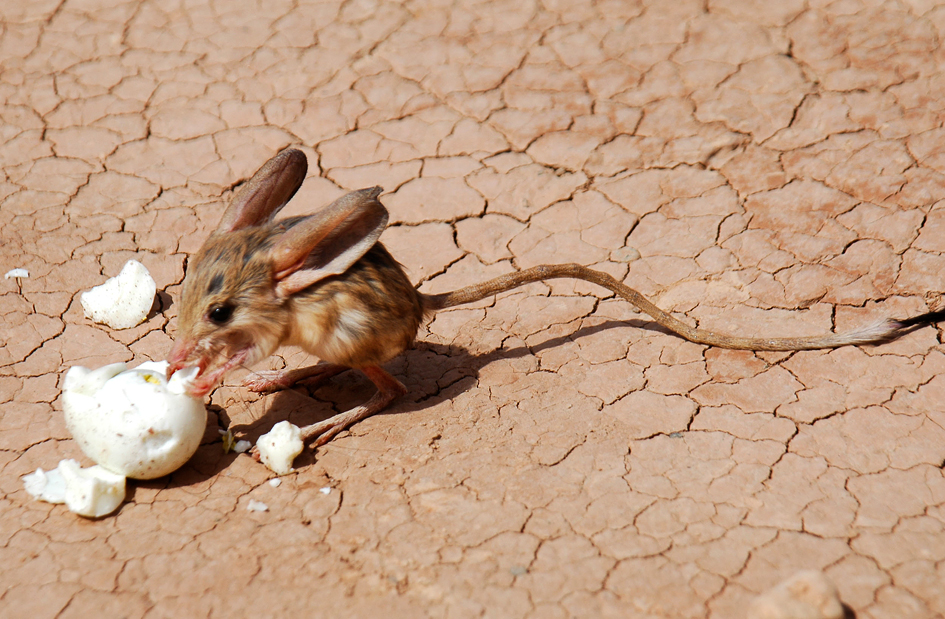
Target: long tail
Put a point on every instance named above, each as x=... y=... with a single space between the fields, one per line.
x=879 y=332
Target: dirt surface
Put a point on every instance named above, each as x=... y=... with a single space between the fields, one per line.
x=776 y=168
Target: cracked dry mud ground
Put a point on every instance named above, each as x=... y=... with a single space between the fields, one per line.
x=778 y=167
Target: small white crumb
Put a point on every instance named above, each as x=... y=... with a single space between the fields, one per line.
x=325 y=490
x=242 y=446
x=275 y=482
x=17 y=273
x=257 y=506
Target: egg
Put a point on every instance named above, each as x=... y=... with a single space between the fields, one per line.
x=134 y=422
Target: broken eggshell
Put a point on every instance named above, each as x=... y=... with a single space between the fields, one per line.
x=280 y=446
x=134 y=422
x=124 y=300
x=93 y=492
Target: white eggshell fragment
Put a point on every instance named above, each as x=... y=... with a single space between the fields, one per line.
x=134 y=422
x=280 y=446
x=93 y=492
x=46 y=486
x=123 y=301
x=16 y=273
x=257 y=506
x=242 y=447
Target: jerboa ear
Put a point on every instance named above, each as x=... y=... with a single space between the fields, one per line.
x=328 y=242
x=268 y=191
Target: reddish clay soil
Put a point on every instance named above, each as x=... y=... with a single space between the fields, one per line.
x=771 y=168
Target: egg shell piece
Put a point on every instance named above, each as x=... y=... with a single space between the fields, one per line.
x=242 y=447
x=46 y=486
x=134 y=422
x=92 y=492
x=257 y=506
x=280 y=446
x=88 y=382
x=122 y=301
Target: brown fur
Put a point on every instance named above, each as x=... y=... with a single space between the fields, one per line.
x=375 y=288
x=233 y=269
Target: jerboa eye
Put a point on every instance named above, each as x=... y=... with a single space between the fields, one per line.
x=220 y=314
